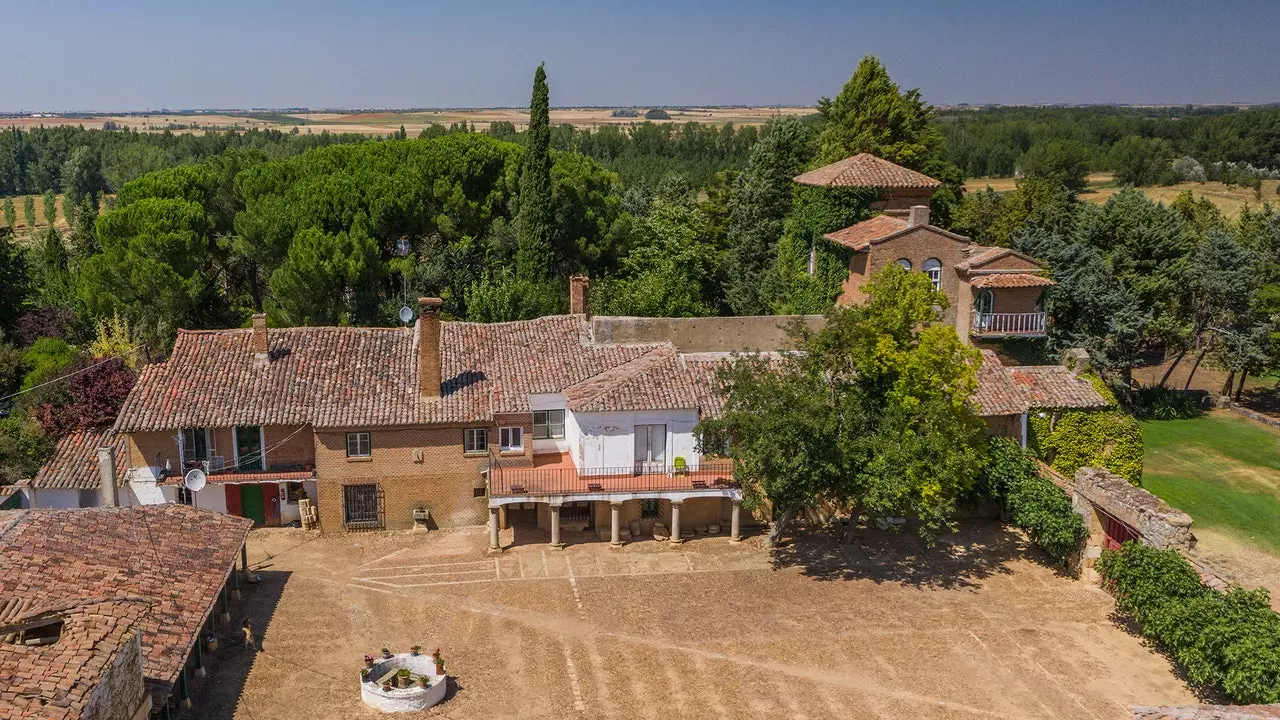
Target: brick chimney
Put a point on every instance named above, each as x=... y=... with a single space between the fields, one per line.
x=580 y=295
x=428 y=331
x=107 y=477
x=918 y=215
x=260 y=347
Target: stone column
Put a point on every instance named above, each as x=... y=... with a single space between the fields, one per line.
x=675 y=522
x=555 y=528
x=493 y=528
x=735 y=522
x=615 y=527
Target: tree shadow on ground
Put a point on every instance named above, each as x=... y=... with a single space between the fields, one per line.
x=963 y=559
x=216 y=696
x=1206 y=694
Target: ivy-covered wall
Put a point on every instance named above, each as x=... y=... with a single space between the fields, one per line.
x=1071 y=439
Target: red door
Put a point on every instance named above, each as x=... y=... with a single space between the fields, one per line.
x=1116 y=532
x=271 y=501
x=233 y=499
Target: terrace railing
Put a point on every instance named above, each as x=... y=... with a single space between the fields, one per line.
x=1031 y=323
x=506 y=479
x=274 y=463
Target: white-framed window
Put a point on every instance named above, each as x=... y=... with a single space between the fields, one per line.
x=510 y=438
x=985 y=303
x=475 y=440
x=358 y=444
x=548 y=424
x=933 y=268
x=195 y=445
x=905 y=263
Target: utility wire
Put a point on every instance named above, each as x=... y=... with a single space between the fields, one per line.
x=103 y=361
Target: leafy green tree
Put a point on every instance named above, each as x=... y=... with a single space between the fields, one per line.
x=23 y=448
x=1065 y=162
x=872 y=414
x=56 y=286
x=82 y=177
x=327 y=278
x=15 y=280
x=29 y=212
x=671 y=271
x=501 y=295
x=50 y=207
x=536 y=220
x=758 y=207
x=45 y=360
x=10 y=213
x=1141 y=161
x=871 y=114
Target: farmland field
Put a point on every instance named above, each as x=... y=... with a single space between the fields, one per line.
x=1230 y=199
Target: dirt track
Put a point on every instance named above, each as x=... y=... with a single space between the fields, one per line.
x=975 y=628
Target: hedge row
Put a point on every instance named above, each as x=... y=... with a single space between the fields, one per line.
x=1034 y=503
x=1227 y=640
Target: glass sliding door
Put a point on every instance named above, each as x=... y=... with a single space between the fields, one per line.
x=651 y=447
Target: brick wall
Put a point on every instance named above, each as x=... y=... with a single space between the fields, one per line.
x=295 y=444
x=918 y=246
x=1016 y=300
x=1009 y=426
x=902 y=199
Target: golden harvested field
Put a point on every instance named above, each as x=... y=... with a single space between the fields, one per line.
x=26 y=224
x=977 y=627
x=1231 y=200
x=382 y=123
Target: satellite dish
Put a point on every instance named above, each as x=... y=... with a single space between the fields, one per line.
x=194 y=480
x=406 y=314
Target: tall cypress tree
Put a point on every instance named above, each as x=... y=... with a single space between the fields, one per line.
x=535 y=221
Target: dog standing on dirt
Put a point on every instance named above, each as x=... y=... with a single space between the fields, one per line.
x=247 y=629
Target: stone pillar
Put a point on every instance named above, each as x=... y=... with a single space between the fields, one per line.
x=555 y=528
x=735 y=522
x=615 y=524
x=493 y=528
x=244 y=561
x=675 y=522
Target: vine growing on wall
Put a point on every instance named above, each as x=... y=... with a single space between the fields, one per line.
x=1071 y=439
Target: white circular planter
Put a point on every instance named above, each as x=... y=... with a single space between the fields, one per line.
x=410 y=699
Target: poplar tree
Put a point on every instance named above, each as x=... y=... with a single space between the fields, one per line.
x=535 y=221
x=50 y=207
x=29 y=211
x=10 y=213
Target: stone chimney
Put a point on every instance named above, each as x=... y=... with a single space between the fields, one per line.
x=107 y=477
x=580 y=295
x=1076 y=360
x=918 y=215
x=260 y=347
x=428 y=331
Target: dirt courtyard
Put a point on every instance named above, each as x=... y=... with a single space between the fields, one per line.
x=975 y=627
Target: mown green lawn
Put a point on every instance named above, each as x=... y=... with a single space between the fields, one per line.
x=1221 y=469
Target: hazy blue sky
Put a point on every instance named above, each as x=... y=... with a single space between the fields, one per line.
x=138 y=54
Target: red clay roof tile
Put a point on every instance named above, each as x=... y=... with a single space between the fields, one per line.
x=866 y=170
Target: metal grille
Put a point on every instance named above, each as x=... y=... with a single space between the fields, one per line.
x=360 y=506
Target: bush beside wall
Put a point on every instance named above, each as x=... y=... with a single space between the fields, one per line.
x=1109 y=438
x=1229 y=640
x=1034 y=503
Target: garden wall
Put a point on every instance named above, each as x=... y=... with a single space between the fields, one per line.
x=1208 y=712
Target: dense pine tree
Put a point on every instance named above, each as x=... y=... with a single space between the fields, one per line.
x=536 y=220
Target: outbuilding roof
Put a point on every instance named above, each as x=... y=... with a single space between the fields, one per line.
x=866 y=170
x=997 y=393
x=654 y=381
x=1011 y=280
x=174 y=557
x=1054 y=386
x=74 y=465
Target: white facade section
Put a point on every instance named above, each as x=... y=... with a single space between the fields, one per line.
x=550 y=401
x=609 y=441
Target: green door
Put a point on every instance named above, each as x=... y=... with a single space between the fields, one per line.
x=251 y=504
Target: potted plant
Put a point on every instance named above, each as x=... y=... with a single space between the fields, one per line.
x=386 y=653
x=414 y=650
x=424 y=681
x=405 y=677
x=368 y=661
x=439 y=661
x=386 y=686
x=364 y=674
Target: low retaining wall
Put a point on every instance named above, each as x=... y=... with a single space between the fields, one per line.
x=1159 y=524
x=1207 y=712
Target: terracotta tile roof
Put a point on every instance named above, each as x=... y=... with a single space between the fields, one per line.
x=980 y=255
x=997 y=393
x=172 y=556
x=859 y=236
x=654 y=381
x=74 y=465
x=56 y=681
x=360 y=377
x=1053 y=386
x=1011 y=280
x=866 y=170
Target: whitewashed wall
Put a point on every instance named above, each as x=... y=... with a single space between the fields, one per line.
x=550 y=401
x=607 y=440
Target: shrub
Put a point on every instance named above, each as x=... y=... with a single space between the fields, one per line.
x=1072 y=439
x=1035 y=504
x=1229 y=640
x=1162 y=403
x=657 y=114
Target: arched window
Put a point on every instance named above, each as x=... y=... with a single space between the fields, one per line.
x=984 y=303
x=933 y=268
x=905 y=263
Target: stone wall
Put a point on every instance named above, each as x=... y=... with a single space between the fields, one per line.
x=705 y=334
x=120 y=693
x=1207 y=712
x=1159 y=524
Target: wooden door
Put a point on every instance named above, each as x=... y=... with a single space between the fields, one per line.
x=271 y=494
x=251 y=505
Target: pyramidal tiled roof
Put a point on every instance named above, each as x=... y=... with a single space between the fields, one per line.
x=866 y=170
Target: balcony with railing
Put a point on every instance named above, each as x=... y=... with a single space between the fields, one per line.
x=249 y=468
x=1026 y=324
x=557 y=475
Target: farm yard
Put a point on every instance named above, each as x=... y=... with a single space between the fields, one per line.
x=978 y=626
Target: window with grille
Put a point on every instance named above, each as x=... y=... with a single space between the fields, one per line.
x=511 y=438
x=475 y=440
x=358 y=444
x=649 y=508
x=548 y=424
x=360 y=504
x=185 y=496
